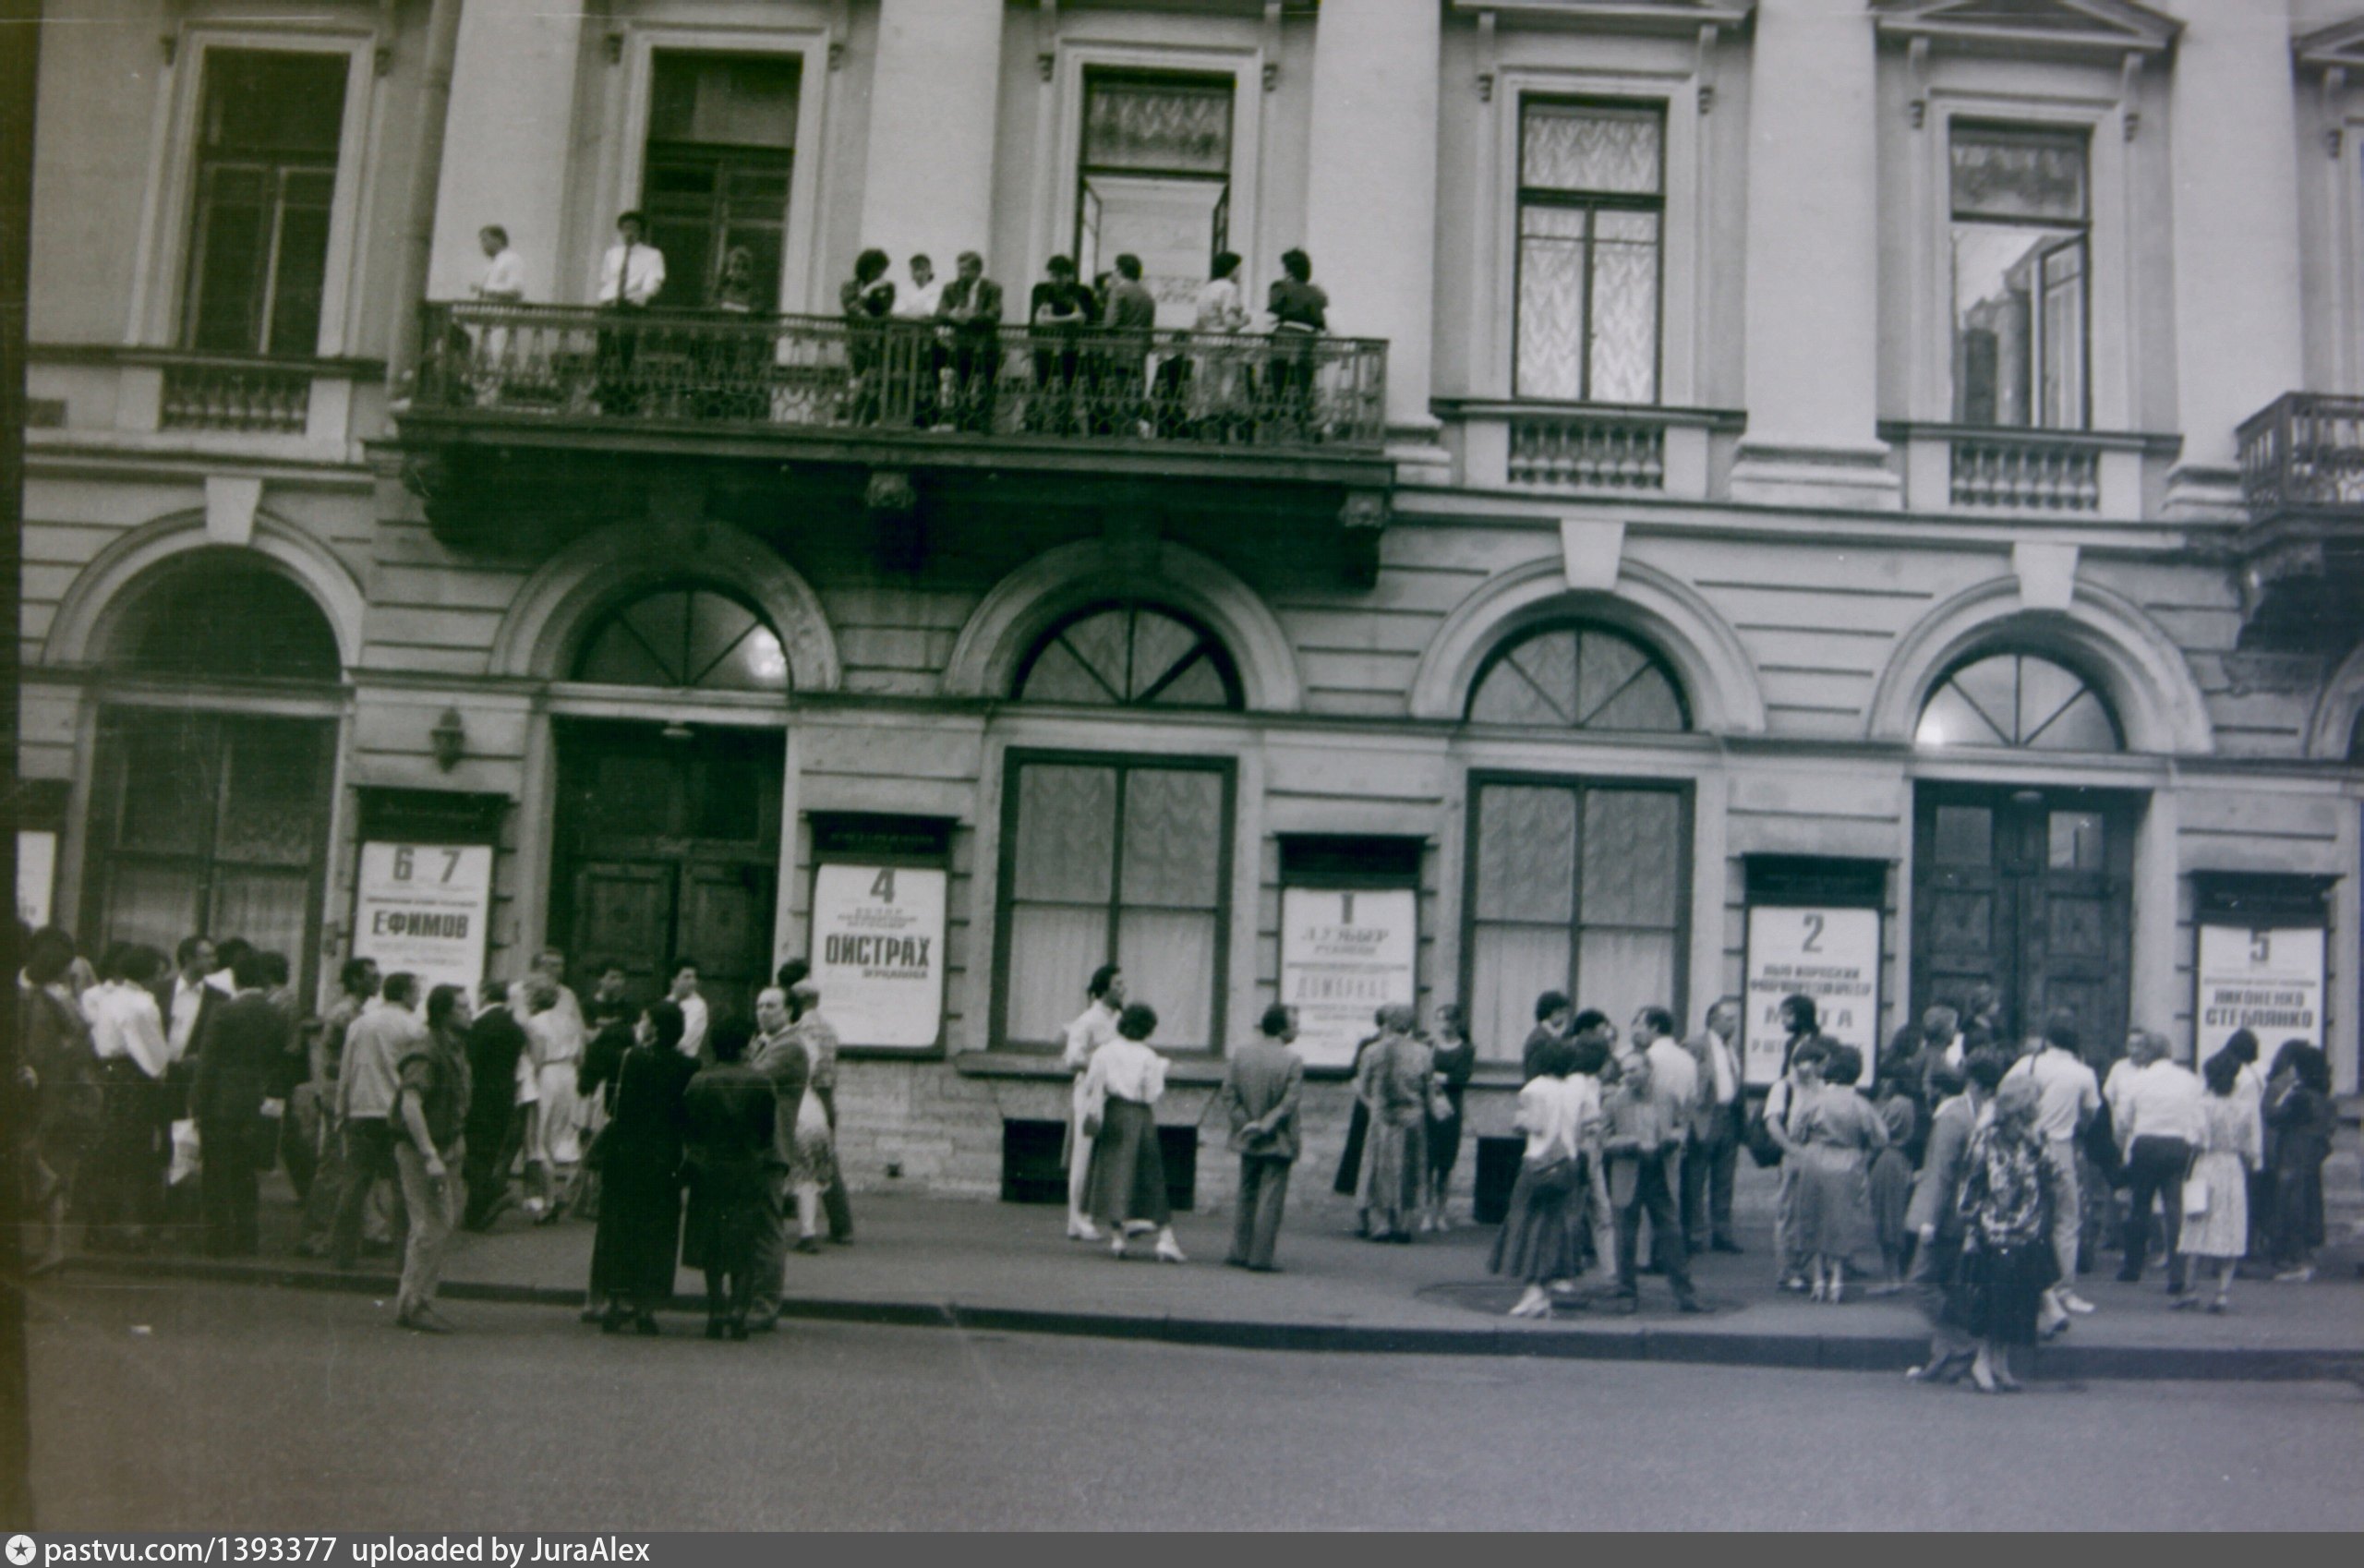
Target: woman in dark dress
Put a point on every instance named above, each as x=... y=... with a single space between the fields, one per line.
x=639 y=1156
x=1350 y=1161
x=2299 y=1121
x=2010 y=1189
x=727 y=1119
x=1455 y=1057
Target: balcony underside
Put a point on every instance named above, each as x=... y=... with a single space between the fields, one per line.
x=2301 y=556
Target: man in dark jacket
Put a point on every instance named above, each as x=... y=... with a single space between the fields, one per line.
x=245 y=1055
x=495 y=1127
x=728 y=1116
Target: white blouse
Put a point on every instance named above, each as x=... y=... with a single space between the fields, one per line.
x=1128 y=1069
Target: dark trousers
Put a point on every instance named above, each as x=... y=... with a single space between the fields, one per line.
x=768 y=1259
x=122 y=1181
x=834 y=1202
x=976 y=367
x=619 y=347
x=229 y=1149
x=2154 y=1168
x=1708 y=1166
x=1652 y=1196
x=368 y=1159
x=1263 y=1193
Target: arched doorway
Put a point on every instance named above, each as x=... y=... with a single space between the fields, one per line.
x=212 y=783
x=668 y=840
x=2025 y=886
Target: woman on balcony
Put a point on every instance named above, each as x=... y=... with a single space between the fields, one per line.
x=867 y=299
x=739 y=355
x=1213 y=369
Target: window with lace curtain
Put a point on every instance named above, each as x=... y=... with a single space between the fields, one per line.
x=1577 y=885
x=1122 y=859
x=1591 y=237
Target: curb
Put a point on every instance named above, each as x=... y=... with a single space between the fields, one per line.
x=1675 y=1346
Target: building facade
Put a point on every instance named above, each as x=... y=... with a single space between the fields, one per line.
x=1795 y=494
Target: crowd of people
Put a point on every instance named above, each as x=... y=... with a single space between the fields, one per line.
x=1984 y=1174
x=154 y=1093
x=926 y=350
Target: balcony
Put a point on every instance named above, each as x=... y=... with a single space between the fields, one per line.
x=2005 y=473
x=251 y=406
x=1570 y=449
x=2301 y=553
x=511 y=398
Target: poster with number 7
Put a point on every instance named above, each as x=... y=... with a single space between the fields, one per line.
x=423 y=908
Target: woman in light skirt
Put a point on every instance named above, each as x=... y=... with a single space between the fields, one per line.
x=1559 y=1113
x=2216 y=1198
x=1121 y=1089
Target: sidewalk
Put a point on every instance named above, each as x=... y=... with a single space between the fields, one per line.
x=985 y=1265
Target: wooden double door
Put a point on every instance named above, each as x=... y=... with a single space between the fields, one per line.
x=668 y=852
x=2031 y=890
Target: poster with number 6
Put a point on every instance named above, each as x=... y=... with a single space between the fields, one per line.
x=424 y=907
x=878 y=953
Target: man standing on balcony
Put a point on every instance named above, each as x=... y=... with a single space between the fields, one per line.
x=631 y=274
x=1132 y=311
x=916 y=308
x=972 y=306
x=503 y=285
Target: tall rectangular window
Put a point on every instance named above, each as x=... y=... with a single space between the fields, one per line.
x=2021 y=255
x=269 y=126
x=1578 y=887
x=721 y=145
x=209 y=824
x=1122 y=860
x=1591 y=227
x=1153 y=178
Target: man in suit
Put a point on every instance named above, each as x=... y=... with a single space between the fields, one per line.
x=496 y=1128
x=778 y=1057
x=972 y=306
x=188 y=1001
x=1640 y=1146
x=1261 y=1088
x=1712 y=1154
x=245 y=1049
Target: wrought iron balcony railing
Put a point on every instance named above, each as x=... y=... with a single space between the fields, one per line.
x=580 y=366
x=2304 y=452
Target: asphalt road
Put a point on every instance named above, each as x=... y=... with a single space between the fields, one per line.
x=174 y=1405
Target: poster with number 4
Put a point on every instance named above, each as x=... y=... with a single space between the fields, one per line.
x=878 y=953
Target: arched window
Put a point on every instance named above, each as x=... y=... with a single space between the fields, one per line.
x=223 y=615
x=1579 y=677
x=1129 y=656
x=2018 y=700
x=684 y=636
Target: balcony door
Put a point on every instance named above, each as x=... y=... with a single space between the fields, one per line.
x=668 y=852
x=2031 y=890
x=721 y=148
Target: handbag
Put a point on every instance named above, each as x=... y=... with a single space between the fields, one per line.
x=1441 y=1105
x=2195 y=1199
x=1762 y=1148
x=1553 y=1179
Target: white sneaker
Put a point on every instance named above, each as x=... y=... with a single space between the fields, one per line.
x=1082 y=1230
x=2076 y=1303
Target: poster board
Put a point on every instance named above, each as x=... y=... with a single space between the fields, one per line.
x=881 y=890
x=1345 y=953
x=2268 y=979
x=36 y=876
x=1829 y=954
x=424 y=907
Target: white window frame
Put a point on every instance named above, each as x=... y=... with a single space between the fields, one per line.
x=1054 y=229
x=165 y=246
x=624 y=154
x=1683 y=236
x=1974 y=92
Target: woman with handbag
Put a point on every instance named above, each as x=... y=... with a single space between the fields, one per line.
x=1455 y=1057
x=2216 y=1191
x=2010 y=1189
x=1126 y=1188
x=814 y=1167
x=2301 y=1119
x=1559 y=1113
x=638 y=1156
x=1392 y=1084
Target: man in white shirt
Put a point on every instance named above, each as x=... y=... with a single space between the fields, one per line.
x=2157 y=1118
x=504 y=274
x=631 y=274
x=1674 y=1085
x=916 y=305
x=694 y=1010
x=1712 y=1154
x=2067 y=1097
x=1093 y=1028
x=187 y=1004
x=366 y=1086
x=125 y=1181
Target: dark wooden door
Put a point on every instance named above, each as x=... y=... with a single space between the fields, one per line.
x=670 y=852
x=2031 y=890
